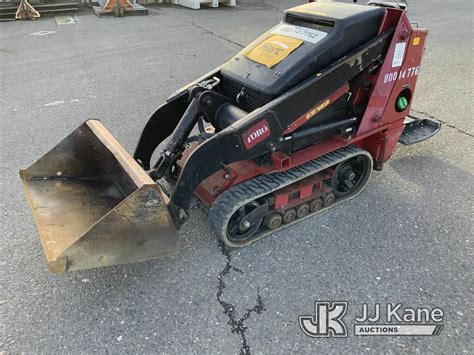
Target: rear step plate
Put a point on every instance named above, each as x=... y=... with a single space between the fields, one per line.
x=418 y=130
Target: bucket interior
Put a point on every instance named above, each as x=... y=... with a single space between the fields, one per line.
x=76 y=184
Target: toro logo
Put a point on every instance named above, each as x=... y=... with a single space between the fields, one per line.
x=256 y=134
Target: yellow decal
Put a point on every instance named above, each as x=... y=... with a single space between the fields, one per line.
x=318 y=109
x=273 y=49
x=416 y=41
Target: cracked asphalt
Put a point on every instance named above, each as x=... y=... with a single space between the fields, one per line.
x=407 y=238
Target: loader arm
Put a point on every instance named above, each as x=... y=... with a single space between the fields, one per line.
x=161 y=124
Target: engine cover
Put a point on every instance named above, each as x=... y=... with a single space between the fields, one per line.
x=309 y=38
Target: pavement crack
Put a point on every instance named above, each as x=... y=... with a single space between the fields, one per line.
x=444 y=123
x=236 y=325
x=217 y=35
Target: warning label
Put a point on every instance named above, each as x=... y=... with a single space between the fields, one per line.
x=273 y=49
x=398 y=55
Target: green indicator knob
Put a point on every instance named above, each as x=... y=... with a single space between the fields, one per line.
x=402 y=103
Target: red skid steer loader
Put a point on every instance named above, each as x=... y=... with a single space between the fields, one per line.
x=292 y=125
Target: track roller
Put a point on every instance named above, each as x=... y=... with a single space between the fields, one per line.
x=329 y=199
x=316 y=204
x=289 y=215
x=302 y=210
x=273 y=220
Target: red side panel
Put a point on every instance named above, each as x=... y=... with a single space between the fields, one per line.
x=405 y=76
x=385 y=81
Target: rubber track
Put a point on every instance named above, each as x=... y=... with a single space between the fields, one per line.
x=237 y=196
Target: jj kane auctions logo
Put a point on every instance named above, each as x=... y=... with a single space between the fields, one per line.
x=391 y=319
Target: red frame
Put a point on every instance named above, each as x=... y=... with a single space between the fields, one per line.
x=305 y=191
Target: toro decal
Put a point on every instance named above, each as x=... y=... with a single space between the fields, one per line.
x=256 y=134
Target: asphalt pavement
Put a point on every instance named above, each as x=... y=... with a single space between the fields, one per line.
x=407 y=238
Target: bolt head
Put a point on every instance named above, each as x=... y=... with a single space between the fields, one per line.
x=207 y=101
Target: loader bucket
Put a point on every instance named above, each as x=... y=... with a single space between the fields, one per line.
x=95 y=206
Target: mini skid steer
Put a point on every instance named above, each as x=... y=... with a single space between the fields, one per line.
x=292 y=125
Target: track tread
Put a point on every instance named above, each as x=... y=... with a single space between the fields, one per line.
x=230 y=200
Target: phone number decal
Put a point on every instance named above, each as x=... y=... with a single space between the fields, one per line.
x=405 y=73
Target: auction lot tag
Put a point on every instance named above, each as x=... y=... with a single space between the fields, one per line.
x=306 y=34
x=273 y=49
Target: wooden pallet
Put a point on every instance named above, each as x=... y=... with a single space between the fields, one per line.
x=136 y=10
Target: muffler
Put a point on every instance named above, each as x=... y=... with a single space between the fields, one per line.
x=95 y=206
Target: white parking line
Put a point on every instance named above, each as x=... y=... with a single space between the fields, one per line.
x=42 y=33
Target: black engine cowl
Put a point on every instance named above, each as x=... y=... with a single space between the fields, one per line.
x=327 y=32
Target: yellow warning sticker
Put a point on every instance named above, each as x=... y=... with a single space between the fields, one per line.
x=273 y=49
x=318 y=109
x=416 y=41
